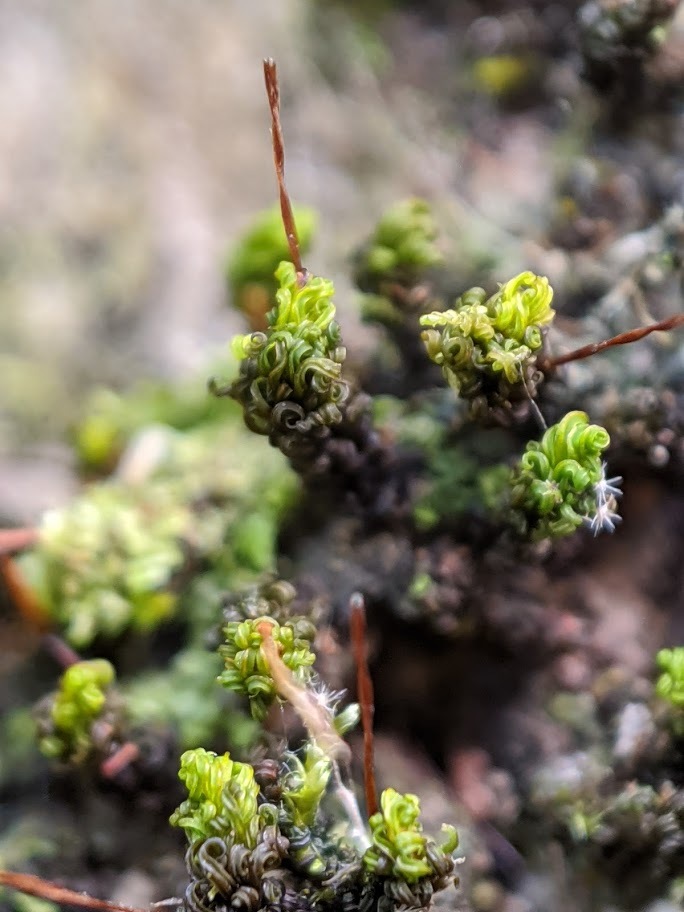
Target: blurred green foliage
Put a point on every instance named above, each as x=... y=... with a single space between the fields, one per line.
x=78 y=703
x=253 y=261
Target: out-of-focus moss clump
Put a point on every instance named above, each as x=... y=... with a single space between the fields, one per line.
x=116 y=558
x=503 y=75
x=670 y=684
x=106 y=561
x=251 y=266
x=80 y=701
x=111 y=419
x=184 y=696
x=401 y=248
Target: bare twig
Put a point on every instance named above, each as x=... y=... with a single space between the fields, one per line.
x=25 y=600
x=44 y=889
x=273 y=91
x=364 y=687
x=632 y=335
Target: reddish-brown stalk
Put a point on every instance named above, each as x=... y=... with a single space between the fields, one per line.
x=273 y=92
x=119 y=760
x=27 y=603
x=632 y=335
x=44 y=889
x=60 y=651
x=364 y=688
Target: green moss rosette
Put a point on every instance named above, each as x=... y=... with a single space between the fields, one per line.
x=106 y=561
x=222 y=798
x=247 y=671
x=78 y=703
x=487 y=347
x=556 y=485
x=400 y=849
x=291 y=375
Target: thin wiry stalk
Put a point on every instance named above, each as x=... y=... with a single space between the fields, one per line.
x=273 y=92
x=45 y=889
x=364 y=686
x=632 y=335
x=318 y=723
x=314 y=716
x=119 y=760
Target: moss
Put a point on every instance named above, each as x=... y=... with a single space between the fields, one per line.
x=502 y=75
x=557 y=483
x=76 y=706
x=400 y=251
x=670 y=683
x=253 y=261
x=222 y=798
x=291 y=375
x=115 y=559
x=247 y=670
x=487 y=346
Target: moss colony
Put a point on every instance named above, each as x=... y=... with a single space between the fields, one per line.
x=186 y=628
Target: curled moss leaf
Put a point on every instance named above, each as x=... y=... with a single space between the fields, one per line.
x=400 y=849
x=222 y=798
x=291 y=375
x=247 y=670
x=559 y=482
x=305 y=784
x=79 y=702
x=670 y=684
x=487 y=347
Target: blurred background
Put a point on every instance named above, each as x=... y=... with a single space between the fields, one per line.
x=135 y=148
x=135 y=152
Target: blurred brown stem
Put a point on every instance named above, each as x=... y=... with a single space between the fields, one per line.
x=27 y=603
x=364 y=688
x=119 y=760
x=13 y=540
